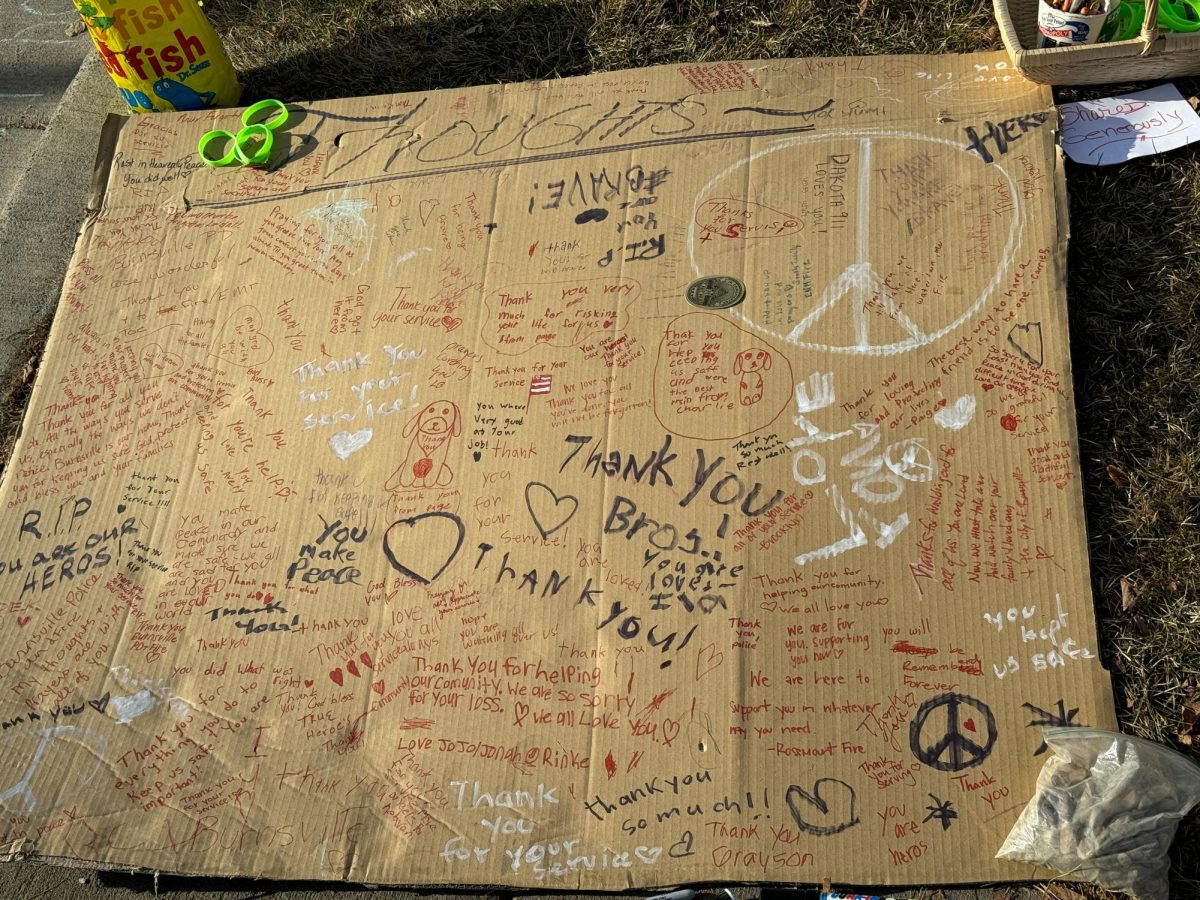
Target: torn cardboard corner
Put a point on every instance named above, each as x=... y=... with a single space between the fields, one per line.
x=420 y=511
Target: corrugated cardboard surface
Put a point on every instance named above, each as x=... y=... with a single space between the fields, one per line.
x=391 y=516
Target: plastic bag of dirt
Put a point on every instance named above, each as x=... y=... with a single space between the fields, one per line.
x=163 y=55
x=1105 y=810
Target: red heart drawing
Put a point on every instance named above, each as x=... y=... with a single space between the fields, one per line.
x=377 y=687
x=1008 y=423
x=969 y=725
x=670 y=730
x=366 y=659
x=987 y=385
x=940 y=403
x=608 y=323
x=451 y=322
x=336 y=677
x=308 y=682
x=352 y=668
x=156 y=361
x=241 y=340
x=23 y=620
x=610 y=765
x=422 y=466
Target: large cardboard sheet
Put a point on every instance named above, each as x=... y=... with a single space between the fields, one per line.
x=391 y=515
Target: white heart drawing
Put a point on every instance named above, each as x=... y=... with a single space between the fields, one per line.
x=958 y=415
x=648 y=855
x=346 y=442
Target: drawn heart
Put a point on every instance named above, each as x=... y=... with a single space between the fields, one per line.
x=1008 y=423
x=476 y=456
x=377 y=687
x=335 y=675
x=241 y=340
x=366 y=659
x=987 y=385
x=648 y=855
x=520 y=711
x=969 y=725
x=608 y=323
x=308 y=682
x=958 y=415
x=352 y=668
x=451 y=322
x=22 y=621
x=829 y=809
x=1025 y=338
x=156 y=362
x=549 y=511
x=670 y=731
x=714 y=660
x=422 y=547
x=346 y=442
x=426 y=209
x=422 y=466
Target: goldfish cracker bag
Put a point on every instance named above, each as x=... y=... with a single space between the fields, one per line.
x=163 y=54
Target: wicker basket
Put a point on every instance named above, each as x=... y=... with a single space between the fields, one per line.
x=1151 y=55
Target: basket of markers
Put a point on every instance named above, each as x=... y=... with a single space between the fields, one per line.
x=1100 y=41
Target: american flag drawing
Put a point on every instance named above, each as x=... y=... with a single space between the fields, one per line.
x=540 y=384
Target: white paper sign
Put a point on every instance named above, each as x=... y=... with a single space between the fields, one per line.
x=1115 y=129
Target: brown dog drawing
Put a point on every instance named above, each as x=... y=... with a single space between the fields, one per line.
x=424 y=464
x=748 y=364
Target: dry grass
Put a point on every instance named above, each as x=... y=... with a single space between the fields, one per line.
x=310 y=49
x=1134 y=287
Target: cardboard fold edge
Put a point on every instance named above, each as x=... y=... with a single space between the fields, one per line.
x=105 y=154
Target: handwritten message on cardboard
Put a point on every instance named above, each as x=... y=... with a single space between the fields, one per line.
x=390 y=515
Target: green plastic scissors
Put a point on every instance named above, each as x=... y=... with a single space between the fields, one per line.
x=241 y=146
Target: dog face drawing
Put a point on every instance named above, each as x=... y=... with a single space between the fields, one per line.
x=429 y=433
x=749 y=364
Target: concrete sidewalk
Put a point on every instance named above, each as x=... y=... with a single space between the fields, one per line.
x=51 y=111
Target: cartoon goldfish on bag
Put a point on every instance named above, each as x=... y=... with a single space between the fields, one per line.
x=164 y=56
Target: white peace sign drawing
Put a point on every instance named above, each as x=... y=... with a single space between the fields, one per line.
x=859 y=298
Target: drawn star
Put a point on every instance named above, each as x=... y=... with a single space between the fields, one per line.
x=1062 y=719
x=943 y=812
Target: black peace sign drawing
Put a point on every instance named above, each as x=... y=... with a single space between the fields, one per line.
x=952 y=732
